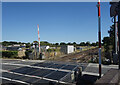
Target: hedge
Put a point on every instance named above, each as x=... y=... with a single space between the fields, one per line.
x=27 y=54
x=10 y=54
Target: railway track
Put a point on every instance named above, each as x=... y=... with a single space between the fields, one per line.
x=83 y=56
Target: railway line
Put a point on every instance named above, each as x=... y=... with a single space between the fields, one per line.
x=82 y=57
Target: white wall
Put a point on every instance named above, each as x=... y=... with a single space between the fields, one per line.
x=70 y=49
x=67 y=49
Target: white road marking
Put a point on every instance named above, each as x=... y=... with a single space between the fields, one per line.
x=16 y=64
x=103 y=66
x=38 y=67
x=30 y=76
x=90 y=73
x=50 y=79
x=5 y=78
x=20 y=82
x=23 y=60
x=14 y=80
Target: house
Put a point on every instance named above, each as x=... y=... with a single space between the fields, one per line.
x=0 y=45
x=3 y=48
x=44 y=47
x=23 y=46
x=12 y=48
x=52 y=47
x=16 y=47
x=79 y=48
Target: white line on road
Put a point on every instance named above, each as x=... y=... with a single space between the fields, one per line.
x=103 y=66
x=32 y=77
x=38 y=67
x=90 y=73
x=14 y=80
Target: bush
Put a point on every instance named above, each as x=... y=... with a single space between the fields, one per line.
x=10 y=54
x=0 y=54
x=51 y=50
x=27 y=54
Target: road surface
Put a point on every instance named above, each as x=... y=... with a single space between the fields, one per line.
x=40 y=71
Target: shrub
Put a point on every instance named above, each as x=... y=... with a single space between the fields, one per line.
x=10 y=54
x=27 y=54
x=49 y=50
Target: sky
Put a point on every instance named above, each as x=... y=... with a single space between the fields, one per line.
x=58 y=21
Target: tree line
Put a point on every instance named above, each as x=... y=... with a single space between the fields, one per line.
x=45 y=43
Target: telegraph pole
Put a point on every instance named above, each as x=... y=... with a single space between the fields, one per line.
x=99 y=36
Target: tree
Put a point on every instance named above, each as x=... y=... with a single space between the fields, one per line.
x=62 y=43
x=112 y=36
x=56 y=44
x=19 y=42
x=97 y=43
x=28 y=45
x=35 y=41
x=45 y=43
x=82 y=44
x=87 y=43
x=6 y=43
x=108 y=43
x=75 y=44
x=93 y=44
x=69 y=43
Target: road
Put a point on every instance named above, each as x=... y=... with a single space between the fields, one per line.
x=35 y=71
x=40 y=71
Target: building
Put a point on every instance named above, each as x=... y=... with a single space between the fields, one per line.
x=66 y=49
x=15 y=47
x=0 y=46
x=45 y=47
x=12 y=48
x=79 y=48
x=3 y=48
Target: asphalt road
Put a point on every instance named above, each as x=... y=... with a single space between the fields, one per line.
x=31 y=72
x=36 y=71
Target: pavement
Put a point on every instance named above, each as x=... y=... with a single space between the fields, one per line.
x=111 y=77
x=93 y=69
x=45 y=72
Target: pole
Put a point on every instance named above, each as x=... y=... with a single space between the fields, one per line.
x=99 y=37
x=35 y=51
x=38 y=39
x=115 y=23
x=119 y=31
